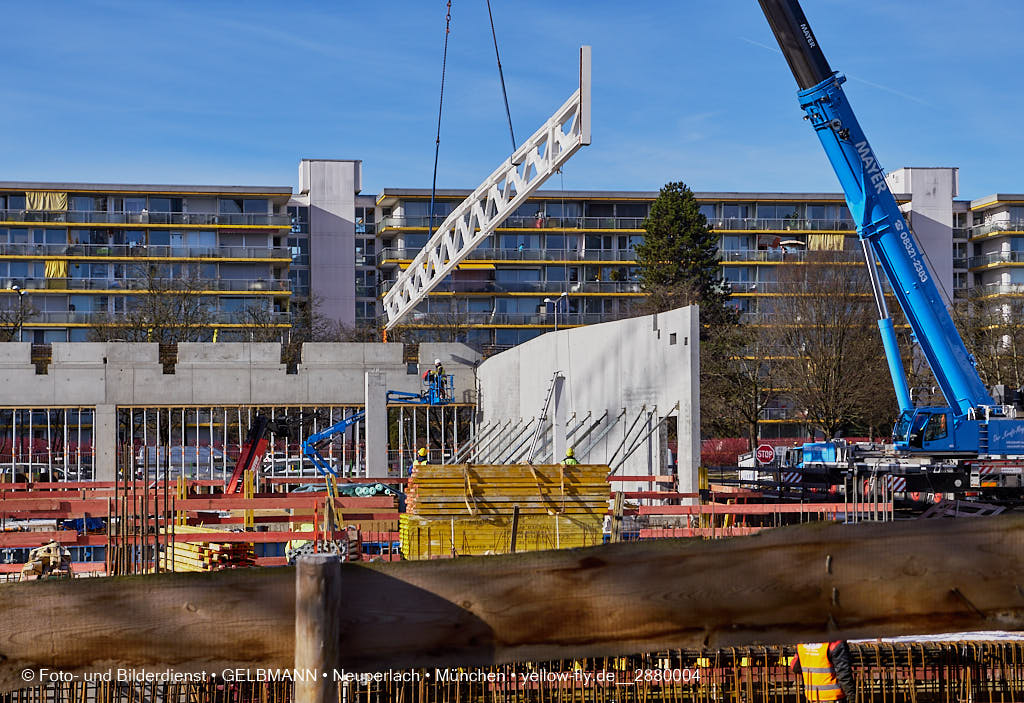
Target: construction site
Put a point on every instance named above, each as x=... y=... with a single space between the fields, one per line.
x=418 y=522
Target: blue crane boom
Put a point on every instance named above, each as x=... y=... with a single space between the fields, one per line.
x=964 y=426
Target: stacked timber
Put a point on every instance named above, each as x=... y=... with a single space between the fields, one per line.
x=465 y=509
x=202 y=555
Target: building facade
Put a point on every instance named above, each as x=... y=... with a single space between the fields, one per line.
x=75 y=256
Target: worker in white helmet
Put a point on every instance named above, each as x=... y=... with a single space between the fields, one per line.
x=441 y=379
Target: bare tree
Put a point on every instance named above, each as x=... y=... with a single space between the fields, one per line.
x=162 y=307
x=13 y=316
x=833 y=368
x=738 y=379
x=993 y=331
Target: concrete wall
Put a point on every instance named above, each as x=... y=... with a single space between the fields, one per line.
x=242 y=373
x=331 y=186
x=108 y=375
x=652 y=360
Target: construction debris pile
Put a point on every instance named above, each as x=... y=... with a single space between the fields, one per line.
x=205 y=556
x=465 y=509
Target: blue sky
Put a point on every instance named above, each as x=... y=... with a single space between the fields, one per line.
x=237 y=92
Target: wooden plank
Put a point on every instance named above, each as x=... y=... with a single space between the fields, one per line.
x=290 y=501
x=761 y=508
x=781 y=586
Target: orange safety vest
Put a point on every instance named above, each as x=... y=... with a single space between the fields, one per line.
x=820 y=683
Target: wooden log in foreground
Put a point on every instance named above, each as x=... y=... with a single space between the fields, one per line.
x=804 y=583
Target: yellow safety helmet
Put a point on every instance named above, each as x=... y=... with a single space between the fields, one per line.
x=423 y=451
x=570 y=452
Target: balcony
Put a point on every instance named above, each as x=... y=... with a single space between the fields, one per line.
x=538 y=287
x=86 y=318
x=789 y=256
x=754 y=224
x=142 y=251
x=574 y=223
x=395 y=254
x=996 y=257
x=129 y=285
x=146 y=218
x=487 y=319
x=997 y=226
x=998 y=289
x=782 y=414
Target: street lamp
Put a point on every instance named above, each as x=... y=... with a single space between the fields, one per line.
x=556 y=301
x=21 y=312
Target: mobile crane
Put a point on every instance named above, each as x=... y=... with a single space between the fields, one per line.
x=932 y=442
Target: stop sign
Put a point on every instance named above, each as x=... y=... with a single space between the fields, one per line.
x=765 y=454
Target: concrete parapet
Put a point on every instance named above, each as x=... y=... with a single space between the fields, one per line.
x=120 y=373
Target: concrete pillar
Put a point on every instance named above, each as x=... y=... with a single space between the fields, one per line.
x=104 y=443
x=688 y=459
x=558 y=419
x=376 y=424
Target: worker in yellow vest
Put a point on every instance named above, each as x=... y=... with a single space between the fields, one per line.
x=570 y=457
x=421 y=457
x=826 y=671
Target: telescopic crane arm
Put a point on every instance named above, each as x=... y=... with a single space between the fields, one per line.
x=875 y=211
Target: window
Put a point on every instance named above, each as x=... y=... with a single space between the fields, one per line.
x=733 y=211
x=560 y=209
x=511 y=337
x=134 y=204
x=708 y=210
x=164 y=204
x=778 y=211
x=600 y=210
x=516 y=241
x=484 y=305
x=517 y=275
x=421 y=208
x=561 y=242
x=518 y=306
x=556 y=274
x=735 y=242
x=414 y=241
x=638 y=210
x=235 y=206
x=366 y=310
x=738 y=274
x=936 y=428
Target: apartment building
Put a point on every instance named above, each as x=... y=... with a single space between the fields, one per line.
x=75 y=254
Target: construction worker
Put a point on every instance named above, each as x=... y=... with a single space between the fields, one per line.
x=439 y=375
x=421 y=457
x=570 y=457
x=826 y=671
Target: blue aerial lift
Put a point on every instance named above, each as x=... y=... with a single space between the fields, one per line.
x=972 y=424
x=438 y=390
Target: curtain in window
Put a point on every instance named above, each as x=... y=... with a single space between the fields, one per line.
x=46 y=201
x=56 y=268
x=825 y=242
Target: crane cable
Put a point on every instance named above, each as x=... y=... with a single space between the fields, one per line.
x=501 y=75
x=437 y=143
